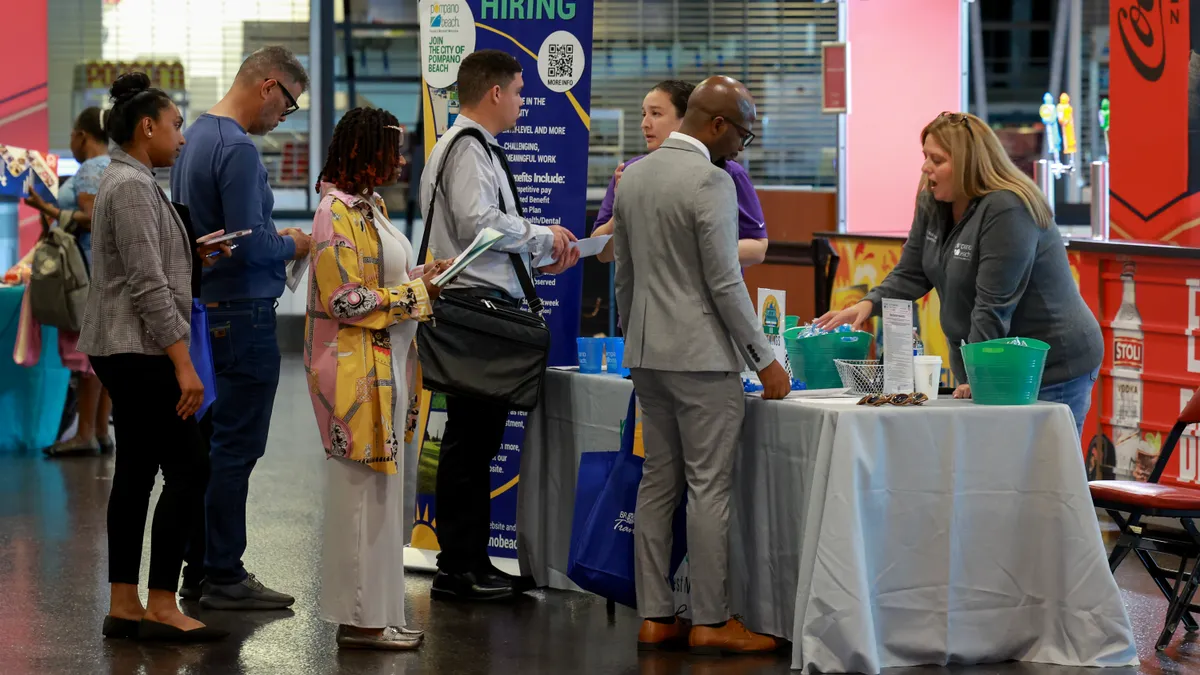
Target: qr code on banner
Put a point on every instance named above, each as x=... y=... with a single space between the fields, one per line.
x=562 y=61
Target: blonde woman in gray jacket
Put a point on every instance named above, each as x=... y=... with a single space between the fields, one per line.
x=984 y=238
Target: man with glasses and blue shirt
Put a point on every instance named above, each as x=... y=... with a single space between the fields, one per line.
x=221 y=180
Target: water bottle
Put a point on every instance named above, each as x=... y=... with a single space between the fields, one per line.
x=918 y=346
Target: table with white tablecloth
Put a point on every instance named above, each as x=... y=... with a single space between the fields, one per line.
x=875 y=537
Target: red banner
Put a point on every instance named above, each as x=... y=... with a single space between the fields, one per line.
x=835 y=78
x=1154 y=183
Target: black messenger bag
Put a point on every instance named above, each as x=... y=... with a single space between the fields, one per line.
x=482 y=347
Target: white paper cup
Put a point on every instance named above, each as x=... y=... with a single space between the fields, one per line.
x=927 y=375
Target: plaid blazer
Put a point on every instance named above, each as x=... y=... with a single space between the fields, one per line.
x=141 y=294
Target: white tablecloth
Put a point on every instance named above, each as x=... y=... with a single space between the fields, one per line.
x=876 y=537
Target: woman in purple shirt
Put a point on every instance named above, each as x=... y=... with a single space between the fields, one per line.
x=662 y=113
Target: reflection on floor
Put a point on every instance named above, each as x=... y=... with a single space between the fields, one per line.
x=53 y=593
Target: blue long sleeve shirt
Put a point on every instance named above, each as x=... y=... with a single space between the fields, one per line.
x=221 y=179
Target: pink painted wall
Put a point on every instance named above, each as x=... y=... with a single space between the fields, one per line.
x=24 y=120
x=904 y=70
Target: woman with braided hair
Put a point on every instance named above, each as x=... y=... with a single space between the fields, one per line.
x=365 y=298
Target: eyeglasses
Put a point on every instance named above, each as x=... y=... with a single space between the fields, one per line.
x=291 y=100
x=747 y=135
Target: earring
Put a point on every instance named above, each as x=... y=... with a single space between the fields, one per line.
x=149 y=134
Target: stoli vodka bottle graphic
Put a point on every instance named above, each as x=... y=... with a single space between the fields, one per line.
x=1128 y=346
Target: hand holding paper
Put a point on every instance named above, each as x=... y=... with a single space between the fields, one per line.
x=587 y=248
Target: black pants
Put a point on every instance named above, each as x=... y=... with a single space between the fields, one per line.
x=144 y=393
x=472 y=438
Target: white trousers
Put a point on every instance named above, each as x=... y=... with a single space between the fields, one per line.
x=362 y=562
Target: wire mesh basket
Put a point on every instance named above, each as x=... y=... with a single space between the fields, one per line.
x=861 y=377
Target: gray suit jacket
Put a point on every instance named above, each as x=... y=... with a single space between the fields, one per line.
x=683 y=303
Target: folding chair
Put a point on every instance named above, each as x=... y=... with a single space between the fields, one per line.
x=1129 y=502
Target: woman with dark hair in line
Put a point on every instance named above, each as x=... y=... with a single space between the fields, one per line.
x=365 y=299
x=662 y=113
x=136 y=329
x=76 y=198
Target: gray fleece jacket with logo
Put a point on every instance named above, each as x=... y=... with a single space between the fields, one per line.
x=998 y=275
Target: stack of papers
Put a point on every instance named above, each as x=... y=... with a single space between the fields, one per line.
x=486 y=238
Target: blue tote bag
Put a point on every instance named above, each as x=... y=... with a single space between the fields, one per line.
x=601 y=556
x=201 y=353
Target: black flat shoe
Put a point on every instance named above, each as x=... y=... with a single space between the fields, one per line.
x=155 y=631
x=471 y=587
x=120 y=629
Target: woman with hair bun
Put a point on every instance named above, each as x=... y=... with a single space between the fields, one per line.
x=136 y=329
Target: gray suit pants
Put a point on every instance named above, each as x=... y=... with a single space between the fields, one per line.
x=691 y=423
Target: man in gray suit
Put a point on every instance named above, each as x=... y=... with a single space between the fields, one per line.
x=689 y=326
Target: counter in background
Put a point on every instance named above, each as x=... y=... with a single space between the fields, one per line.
x=1144 y=295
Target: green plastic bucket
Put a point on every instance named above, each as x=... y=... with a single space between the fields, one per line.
x=1002 y=372
x=812 y=358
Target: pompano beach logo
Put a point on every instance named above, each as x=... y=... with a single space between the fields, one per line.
x=438 y=15
x=1145 y=44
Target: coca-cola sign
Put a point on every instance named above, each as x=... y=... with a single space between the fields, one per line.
x=1127 y=352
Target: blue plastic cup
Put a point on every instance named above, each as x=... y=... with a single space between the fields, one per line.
x=614 y=355
x=591 y=354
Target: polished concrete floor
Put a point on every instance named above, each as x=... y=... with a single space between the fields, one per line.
x=53 y=594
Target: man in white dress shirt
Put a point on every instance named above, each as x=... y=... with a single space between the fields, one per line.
x=475 y=182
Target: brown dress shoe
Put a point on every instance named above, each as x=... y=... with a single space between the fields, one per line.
x=655 y=635
x=732 y=638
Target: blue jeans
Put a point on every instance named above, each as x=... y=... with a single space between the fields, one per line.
x=246 y=360
x=1076 y=394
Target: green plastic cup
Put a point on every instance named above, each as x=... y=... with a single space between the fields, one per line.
x=1007 y=371
x=812 y=359
x=790 y=321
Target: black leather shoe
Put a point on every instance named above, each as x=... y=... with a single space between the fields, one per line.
x=120 y=629
x=191 y=593
x=472 y=587
x=519 y=584
x=154 y=631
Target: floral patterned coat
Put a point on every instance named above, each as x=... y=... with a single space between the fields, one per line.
x=347 y=346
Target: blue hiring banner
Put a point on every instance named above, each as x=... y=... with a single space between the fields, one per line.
x=548 y=153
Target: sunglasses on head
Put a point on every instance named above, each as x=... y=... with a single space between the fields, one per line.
x=958 y=118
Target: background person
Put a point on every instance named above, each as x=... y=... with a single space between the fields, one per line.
x=677 y=265
x=662 y=113
x=136 y=331
x=489 y=90
x=983 y=236
x=220 y=177
x=76 y=199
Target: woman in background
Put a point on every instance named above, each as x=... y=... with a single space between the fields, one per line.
x=136 y=330
x=662 y=113
x=76 y=199
x=983 y=236
x=365 y=298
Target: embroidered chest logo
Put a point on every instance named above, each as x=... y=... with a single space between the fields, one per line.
x=963 y=251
